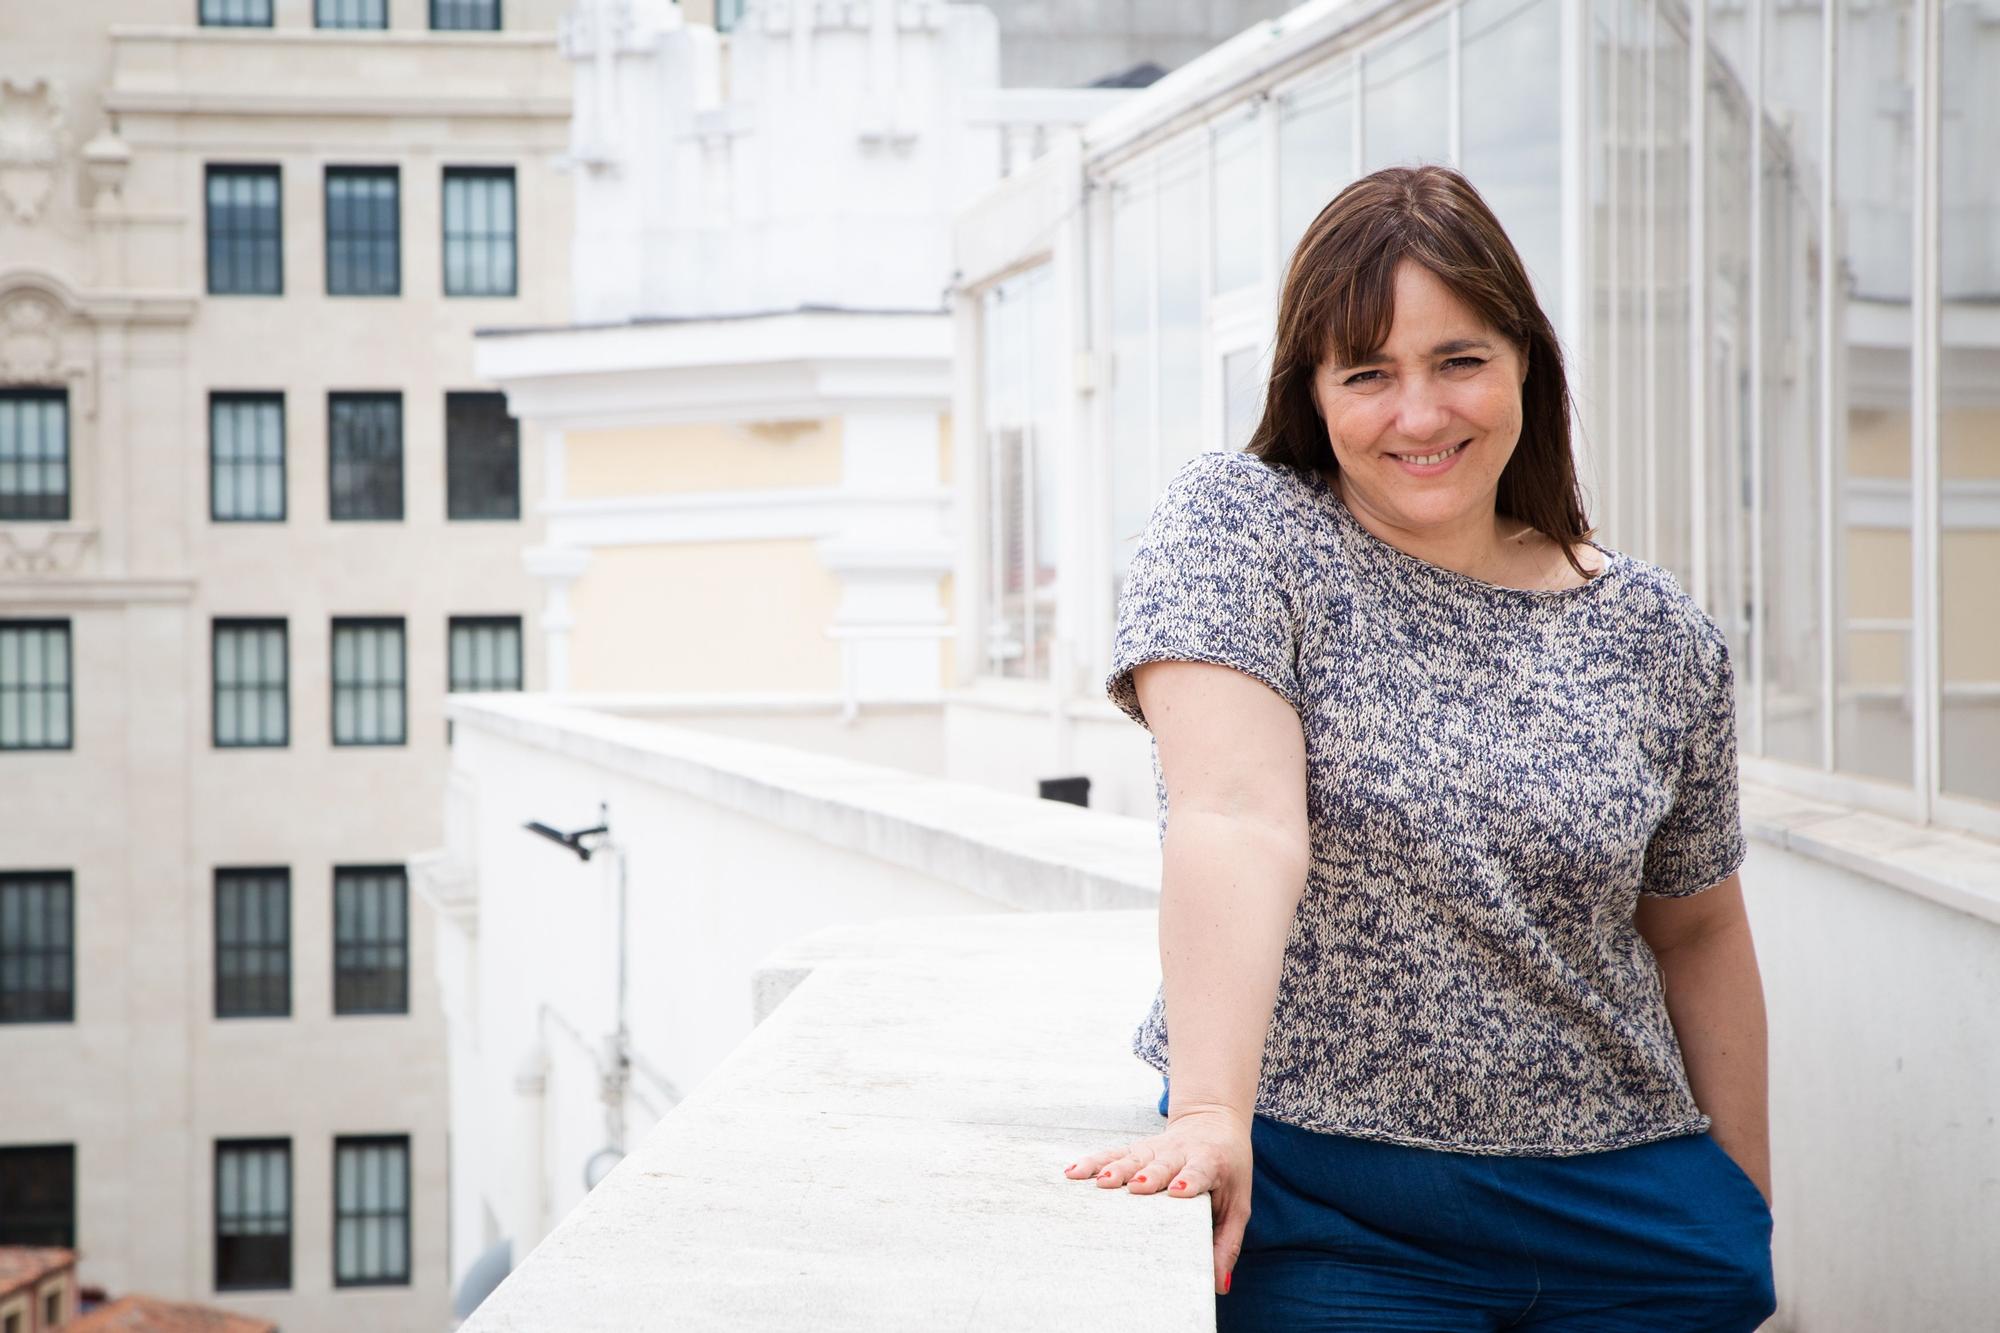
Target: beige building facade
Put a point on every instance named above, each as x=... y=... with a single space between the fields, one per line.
x=258 y=516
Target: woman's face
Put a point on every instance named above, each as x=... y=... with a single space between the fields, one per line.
x=1445 y=382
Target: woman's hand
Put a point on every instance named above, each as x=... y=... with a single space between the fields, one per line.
x=1203 y=1150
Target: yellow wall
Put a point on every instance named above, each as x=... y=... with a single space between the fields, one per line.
x=670 y=460
x=748 y=615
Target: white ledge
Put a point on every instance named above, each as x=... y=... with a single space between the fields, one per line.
x=1016 y=851
x=885 y=1151
x=1954 y=869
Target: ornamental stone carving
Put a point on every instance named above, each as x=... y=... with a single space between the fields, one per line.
x=30 y=339
x=43 y=550
x=31 y=144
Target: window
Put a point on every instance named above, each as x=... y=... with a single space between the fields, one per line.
x=38 y=1195
x=236 y=13
x=371 y=940
x=253 y=943
x=244 y=218
x=363 y=231
x=34 y=455
x=482 y=451
x=252 y=684
x=246 y=457
x=12 y=1324
x=1021 y=407
x=52 y=1309
x=368 y=681
x=371 y=1211
x=466 y=15
x=365 y=455
x=728 y=15
x=485 y=654
x=35 y=703
x=479 y=231
x=350 y=13
x=37 y=950
x=253 y=1214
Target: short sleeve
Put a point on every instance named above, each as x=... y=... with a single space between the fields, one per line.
x=1208 y=582
x=1699 y=842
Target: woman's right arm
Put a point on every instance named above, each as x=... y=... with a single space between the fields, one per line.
x=1234 y=863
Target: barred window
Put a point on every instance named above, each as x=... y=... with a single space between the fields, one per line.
x=252 y=683
x=37 y=950
x=371 y=940
x=253 y=1214
x=253 y=943
x=485 y=654
x=365 y=455
x=482 y=457
x=479 y=231
x=245 y=249
x=368 y=681
x=465 y=15
x=34 y=455
x=38 y=1195
x=350 y=13
x=371 y=1211
x=363 y=231
x=236 y=13
x=35 y=699
x=246 y=457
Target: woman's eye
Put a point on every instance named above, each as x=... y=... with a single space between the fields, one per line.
x=1466 y=361
x=1361 y=377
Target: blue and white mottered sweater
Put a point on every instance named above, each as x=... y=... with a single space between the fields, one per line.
x=1494 y=777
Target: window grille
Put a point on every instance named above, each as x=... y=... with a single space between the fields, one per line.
x=35 y=693
x=245 y=232
x=37 y=947
x=465 y=15
x=235 y=13
x=253 y=1214
x=351 y=13
x=253 y=943
x=368 y=681
x=38 y=1195
x=363 y=231
x=371 y=940
x=34 y=455
x=246 y=457
x=482 y=447
x=371 y=1211
x=479 y=231
x=365 y=455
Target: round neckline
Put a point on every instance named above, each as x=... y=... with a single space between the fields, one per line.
x=1614 y=560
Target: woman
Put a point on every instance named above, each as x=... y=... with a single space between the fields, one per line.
x=1462 y=988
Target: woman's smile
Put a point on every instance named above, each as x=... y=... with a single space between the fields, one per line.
x=1431 y=464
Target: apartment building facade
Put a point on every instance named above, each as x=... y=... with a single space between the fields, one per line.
x=258 y=516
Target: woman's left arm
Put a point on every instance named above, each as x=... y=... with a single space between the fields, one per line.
x=1715 y=997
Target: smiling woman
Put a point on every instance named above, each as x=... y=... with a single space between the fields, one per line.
x=1450 y=931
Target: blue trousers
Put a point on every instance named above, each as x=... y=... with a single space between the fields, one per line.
x=1355 y=1234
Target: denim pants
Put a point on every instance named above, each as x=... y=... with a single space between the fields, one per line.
x=1355 y=1234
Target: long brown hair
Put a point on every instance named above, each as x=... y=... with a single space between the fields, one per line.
x=1339 y=300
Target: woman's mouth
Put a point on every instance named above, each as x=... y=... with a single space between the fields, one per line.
x=1430 y=464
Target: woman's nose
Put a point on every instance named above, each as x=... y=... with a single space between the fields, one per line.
x=1420 y=411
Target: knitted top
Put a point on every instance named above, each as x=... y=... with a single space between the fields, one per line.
x=1494 y=776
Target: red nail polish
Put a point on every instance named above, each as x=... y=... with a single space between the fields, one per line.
x=1138 y=1180
x=1180 y=1184
x=1225 y=1282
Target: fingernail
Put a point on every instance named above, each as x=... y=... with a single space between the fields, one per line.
x=1138 y=1180
x=1225 y=1282
x=1180 y=1184
x=1104 y=1175
x=1070 y=1167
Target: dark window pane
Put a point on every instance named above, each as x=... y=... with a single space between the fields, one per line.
x=363 y=232
x=371 y=1212
x=350 y=13
x=244 y=244
x=728 y=13
x=37 y=947
x=34 y=455
x=466 y=15
x=365 y=455
x=35 y=699
x=482 y=450
x=236 y=13
x=38 y=1195
x=253 y=1214
x=252 y=675
x=368 y=682
x=485 y=653
x=479 y=231
x=246 y=457
x=253 y=943
x=371 y=940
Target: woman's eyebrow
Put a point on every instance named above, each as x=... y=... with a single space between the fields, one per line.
x=1449 y=348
